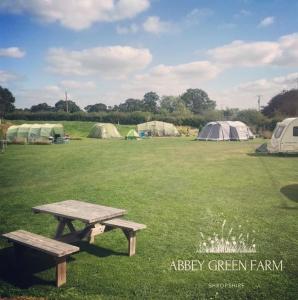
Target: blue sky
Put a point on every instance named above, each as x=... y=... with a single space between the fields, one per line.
x=107 y=50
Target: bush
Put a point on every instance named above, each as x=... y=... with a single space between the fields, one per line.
x=254 y=119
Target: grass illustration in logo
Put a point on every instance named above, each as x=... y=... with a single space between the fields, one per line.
x=228 y=241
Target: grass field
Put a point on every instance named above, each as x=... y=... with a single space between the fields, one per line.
x=178 y=188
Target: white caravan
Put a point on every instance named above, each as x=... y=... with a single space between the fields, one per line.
x=285 y=137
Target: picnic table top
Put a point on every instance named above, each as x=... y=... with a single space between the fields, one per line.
x=80 y=210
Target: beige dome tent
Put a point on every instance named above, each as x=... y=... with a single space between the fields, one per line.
x=225 y=131
x=285 y=137
x=157 y=128
x=104 y=131
x=34 y=133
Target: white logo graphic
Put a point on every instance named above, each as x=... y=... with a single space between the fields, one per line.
x=227 y=241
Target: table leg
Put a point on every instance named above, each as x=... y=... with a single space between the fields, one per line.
x=132 y=241
x=94 y=231
x=60 y=271
x=60 y=228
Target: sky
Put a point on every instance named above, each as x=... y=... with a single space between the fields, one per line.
x=105 y=51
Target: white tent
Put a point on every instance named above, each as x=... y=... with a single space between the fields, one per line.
x=157 y=128
x=225 y=131
x=285 y=137
x=104 y=131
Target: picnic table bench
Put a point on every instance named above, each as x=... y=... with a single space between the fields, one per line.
x=129 y=228
x=60 y=251
x=97 y=219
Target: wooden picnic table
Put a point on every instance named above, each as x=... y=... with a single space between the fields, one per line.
x=92 y=215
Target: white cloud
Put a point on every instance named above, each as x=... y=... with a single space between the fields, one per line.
x=13 y=52
x=109 y=62
x=172 y=79
x=289 y=47
x=246 y=54
x=79 y=14
x=283 y=52
x=245 y=95
x=6 y=77
x=132 y=28
x=154 y=25
x=73 y=84
x=266 y=22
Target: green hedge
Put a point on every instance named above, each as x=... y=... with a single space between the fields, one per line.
x=196 y=121
x=107 y=117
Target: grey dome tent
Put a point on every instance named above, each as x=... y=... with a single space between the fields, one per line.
x=225 y=131
x=157 y=128
x=104 y=131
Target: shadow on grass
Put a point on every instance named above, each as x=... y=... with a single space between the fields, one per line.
x=260 y=154
x=23 y=275
x=290 y=192
x=97 y=250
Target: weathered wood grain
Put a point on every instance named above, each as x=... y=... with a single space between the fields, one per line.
x=124 y=224
x=79 y=210
x=41 y=243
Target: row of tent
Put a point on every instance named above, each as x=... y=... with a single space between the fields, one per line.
x=153 y=128
x=213 y=131
x=45 y=133
x=284 y=138
x=41 y=133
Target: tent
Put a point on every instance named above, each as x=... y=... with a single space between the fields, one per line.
x=132 y=135
x=225 y=131
x=157 y=128
x=34 y=133
x=285 y=137
x=104 y=131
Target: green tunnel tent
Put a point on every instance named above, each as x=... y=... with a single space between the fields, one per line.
x=34 y=133
x=157 y=128
x=104 y=131
x=132 y=135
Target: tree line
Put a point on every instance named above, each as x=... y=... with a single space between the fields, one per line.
x=192 y=108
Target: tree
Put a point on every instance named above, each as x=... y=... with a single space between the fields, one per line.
x=6 y=101
x=230 y=113
x=41 y=107
x=150 y=102
x=284 y=104
x=72 y=107
x=250 y=117
x=96 y=107
x=131 y=105
x=172 y=104
x=197 y=101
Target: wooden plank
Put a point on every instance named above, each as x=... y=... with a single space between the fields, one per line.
x=124 y=224
x=41 y=243
x=78 y=210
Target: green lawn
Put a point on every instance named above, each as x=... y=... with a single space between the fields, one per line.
x=178 y=188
